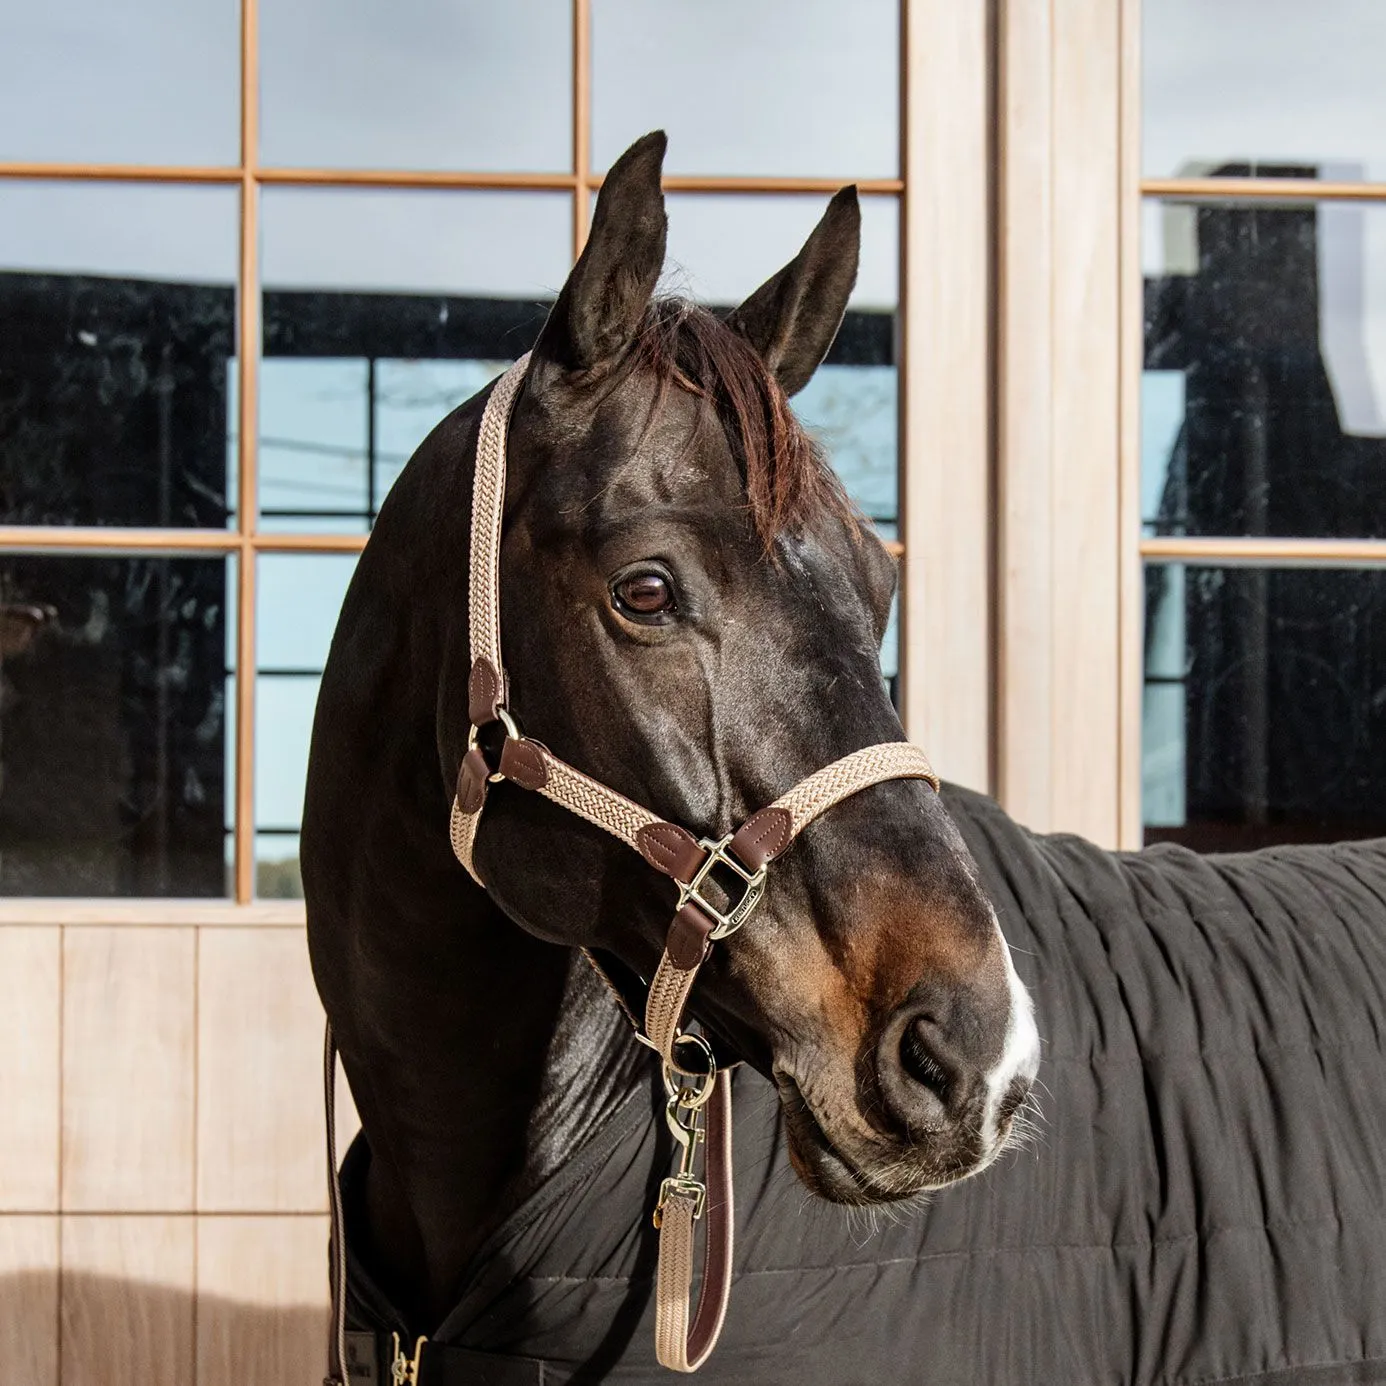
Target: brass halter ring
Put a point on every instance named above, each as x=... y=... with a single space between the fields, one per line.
x=512 y=732
x=689 y=1089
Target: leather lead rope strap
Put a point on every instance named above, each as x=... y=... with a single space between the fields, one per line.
x=733 y=868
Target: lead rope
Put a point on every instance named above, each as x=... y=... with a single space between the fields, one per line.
x=336 y=1244
x=698 y=1111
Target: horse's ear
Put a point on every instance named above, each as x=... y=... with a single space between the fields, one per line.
x=596 y=315
x=792 y=319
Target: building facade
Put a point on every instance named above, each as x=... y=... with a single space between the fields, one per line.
x=1112 y=384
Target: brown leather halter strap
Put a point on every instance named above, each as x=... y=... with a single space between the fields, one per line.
x=731 y=869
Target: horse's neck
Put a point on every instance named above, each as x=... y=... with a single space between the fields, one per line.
x=483 y=1062
x=479 y=1056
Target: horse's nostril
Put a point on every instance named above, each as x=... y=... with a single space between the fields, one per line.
x=918 y=1061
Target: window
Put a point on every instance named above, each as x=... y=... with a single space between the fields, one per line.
x=1263 y=430
x=235 y=305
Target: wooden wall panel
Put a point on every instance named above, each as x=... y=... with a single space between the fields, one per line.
x=127 y=1301
x=946 y=500
x=1086 y=411
x=260 y=1124
x=262 y=1300
x=1025 y=369
x=1064 y=415
x=30 y=1015
x=1131 y=360
x=29 y=1300
x=128 y=1069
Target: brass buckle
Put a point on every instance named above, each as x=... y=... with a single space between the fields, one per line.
x=686 y=1186
x=512 y=732
x=740 y=912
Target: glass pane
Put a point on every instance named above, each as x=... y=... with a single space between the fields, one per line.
x=1264 y=717
x=383 y=310
x=142 y=82
x=417 y=84
x=1264 y=86
x=114 y=726
x=722 y=247
x=297 y=603
x=1264 y=397
x=811 y=89
x=119 y=313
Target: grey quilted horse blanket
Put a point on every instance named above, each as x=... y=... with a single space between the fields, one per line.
x=1206 y=1202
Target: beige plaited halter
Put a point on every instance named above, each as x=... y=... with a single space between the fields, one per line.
x=699 y=1107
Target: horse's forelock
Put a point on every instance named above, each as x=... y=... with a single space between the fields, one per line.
x=789 y=484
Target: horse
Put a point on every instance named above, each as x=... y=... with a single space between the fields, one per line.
x=692 y=613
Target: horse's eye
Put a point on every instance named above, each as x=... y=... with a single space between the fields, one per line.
x=643 y=595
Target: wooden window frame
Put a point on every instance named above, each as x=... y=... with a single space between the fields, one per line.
x=1069 y=360
x=247 y=542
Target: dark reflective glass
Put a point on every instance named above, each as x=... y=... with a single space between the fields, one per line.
x=141 y=82
x=1265 y=705
x=417 y=84
x=751 y=86
x=383 y=310
x=298 y=598
x=113 y=726
x=1263 y=83
x=1264 y=400
x=117 y=349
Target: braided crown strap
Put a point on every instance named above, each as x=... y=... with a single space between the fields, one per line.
x=488 y=504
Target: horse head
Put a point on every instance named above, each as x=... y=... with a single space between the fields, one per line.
x=692 y=614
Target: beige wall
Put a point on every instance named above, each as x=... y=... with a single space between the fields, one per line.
x=162 y=1204
x=1021 y=582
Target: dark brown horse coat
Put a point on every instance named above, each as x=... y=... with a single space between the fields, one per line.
x=1206 y=1203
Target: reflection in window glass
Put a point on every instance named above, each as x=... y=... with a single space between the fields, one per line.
x=119 y=316
x=417 y=301
x=417 y=84
x=1265 y=350
x=1265 y=705
x=315 y=444
x=1253 y=85
x=113 y=726
x=298 y=599
x=751 y=88
x=410 y=397
x=142 y=82
x=852 y=411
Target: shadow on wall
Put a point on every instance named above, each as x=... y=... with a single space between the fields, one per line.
x=107 y=1331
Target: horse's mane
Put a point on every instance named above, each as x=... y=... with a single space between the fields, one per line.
x=789 y=484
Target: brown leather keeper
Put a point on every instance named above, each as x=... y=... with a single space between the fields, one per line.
x=762 y=837
x=690 y=938
x=471 y=781
x=483 y=693
x=523 y=762
x=670 y=849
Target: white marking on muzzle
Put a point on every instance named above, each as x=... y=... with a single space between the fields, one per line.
x=1020 y=1053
